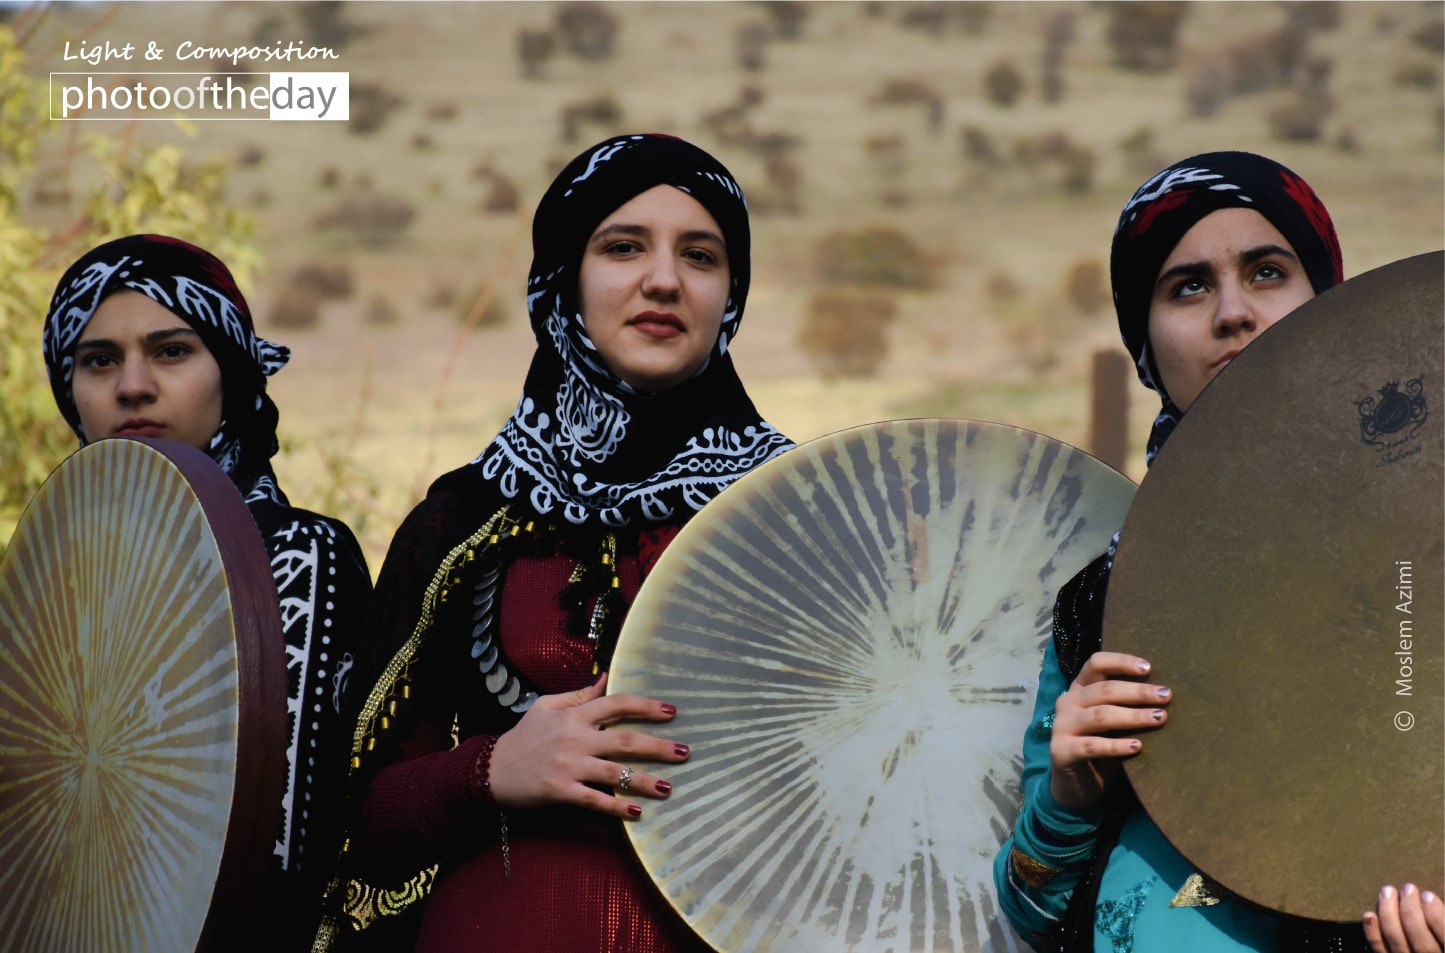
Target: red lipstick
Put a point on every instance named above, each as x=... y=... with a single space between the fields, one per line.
x=663 y=324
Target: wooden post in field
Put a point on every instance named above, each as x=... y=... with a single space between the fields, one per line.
x=1109 y=407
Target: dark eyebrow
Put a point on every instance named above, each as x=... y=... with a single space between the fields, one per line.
x=1260 y=252
x=154 y=337
x=1200 y=269
x=624 y=228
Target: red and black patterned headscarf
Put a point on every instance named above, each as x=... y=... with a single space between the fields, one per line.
x=196 y=287
x=1157 y=216
x=583 y=444
x=1153 y=221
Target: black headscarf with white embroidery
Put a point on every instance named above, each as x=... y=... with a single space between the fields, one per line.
x=583 y=445
x=198 y=288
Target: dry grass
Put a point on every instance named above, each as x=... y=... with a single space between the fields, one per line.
x=999 y=235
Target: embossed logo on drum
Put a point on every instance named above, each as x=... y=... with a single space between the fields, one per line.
x=1390 y=422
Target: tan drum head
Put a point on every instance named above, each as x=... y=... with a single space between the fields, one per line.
x=1282 y=569
x=852 y=634
x=143 y=685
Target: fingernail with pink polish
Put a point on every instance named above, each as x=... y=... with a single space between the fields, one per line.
x=664 y=787
x=1427 y=897
x=1386 y=892
x=668 y=709
x=1408 y=890
x=682 y=751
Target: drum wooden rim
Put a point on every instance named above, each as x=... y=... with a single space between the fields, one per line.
x=1258 y=571
x=261 y=664
x=125 y=514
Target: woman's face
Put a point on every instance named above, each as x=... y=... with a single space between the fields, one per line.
x=653 y=286
x=1231 y=276
x=141 y=371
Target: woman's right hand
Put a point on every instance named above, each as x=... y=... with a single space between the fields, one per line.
x=1084 y=752
x=558 y=749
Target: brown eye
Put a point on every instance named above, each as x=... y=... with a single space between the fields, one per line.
x=1188 y=289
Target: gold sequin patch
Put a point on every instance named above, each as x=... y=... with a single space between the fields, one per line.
x=1035 y=873
x=1196 y=892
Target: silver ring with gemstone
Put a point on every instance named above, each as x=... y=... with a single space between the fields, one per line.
x=624 y=780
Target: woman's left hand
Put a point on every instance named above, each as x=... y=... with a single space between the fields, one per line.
x=1406 y=921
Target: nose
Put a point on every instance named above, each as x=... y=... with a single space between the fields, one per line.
x=662 y=281
x=136 y=384
x=1234 y=311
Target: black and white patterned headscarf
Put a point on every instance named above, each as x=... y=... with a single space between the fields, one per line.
x=583 y=444
x=196 y=287
x=1163 y=209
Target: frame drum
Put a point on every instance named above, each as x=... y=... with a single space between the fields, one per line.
x=852 y=634
x=142 y=678
x=1281 y=568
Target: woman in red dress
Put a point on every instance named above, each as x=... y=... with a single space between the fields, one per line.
x=483 y=813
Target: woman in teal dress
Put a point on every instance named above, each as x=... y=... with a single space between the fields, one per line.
x=1206 y=255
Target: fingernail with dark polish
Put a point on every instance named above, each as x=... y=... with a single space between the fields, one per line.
x=668 y=709
x=634 y=810
x=1157 y=715
x=1134 y=746
x=664 y=787
x=682 y=751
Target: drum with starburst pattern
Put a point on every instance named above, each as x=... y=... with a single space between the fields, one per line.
x=852 y=634
x=142 y=680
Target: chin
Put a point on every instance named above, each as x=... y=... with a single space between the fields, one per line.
x=656 y=383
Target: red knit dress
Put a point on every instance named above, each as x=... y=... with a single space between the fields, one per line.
x=575 y=884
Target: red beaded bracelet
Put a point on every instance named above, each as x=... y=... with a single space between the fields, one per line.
x=481 y=786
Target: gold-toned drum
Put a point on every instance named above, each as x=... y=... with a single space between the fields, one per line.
x=852 y=634
x=1281 y=567
x=143 y=684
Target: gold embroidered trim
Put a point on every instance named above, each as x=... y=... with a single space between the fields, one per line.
x=1035 y=873
x=364 y=903
x=435 y=592
x=1196 y=892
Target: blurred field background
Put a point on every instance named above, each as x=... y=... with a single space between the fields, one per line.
x=933 y=186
